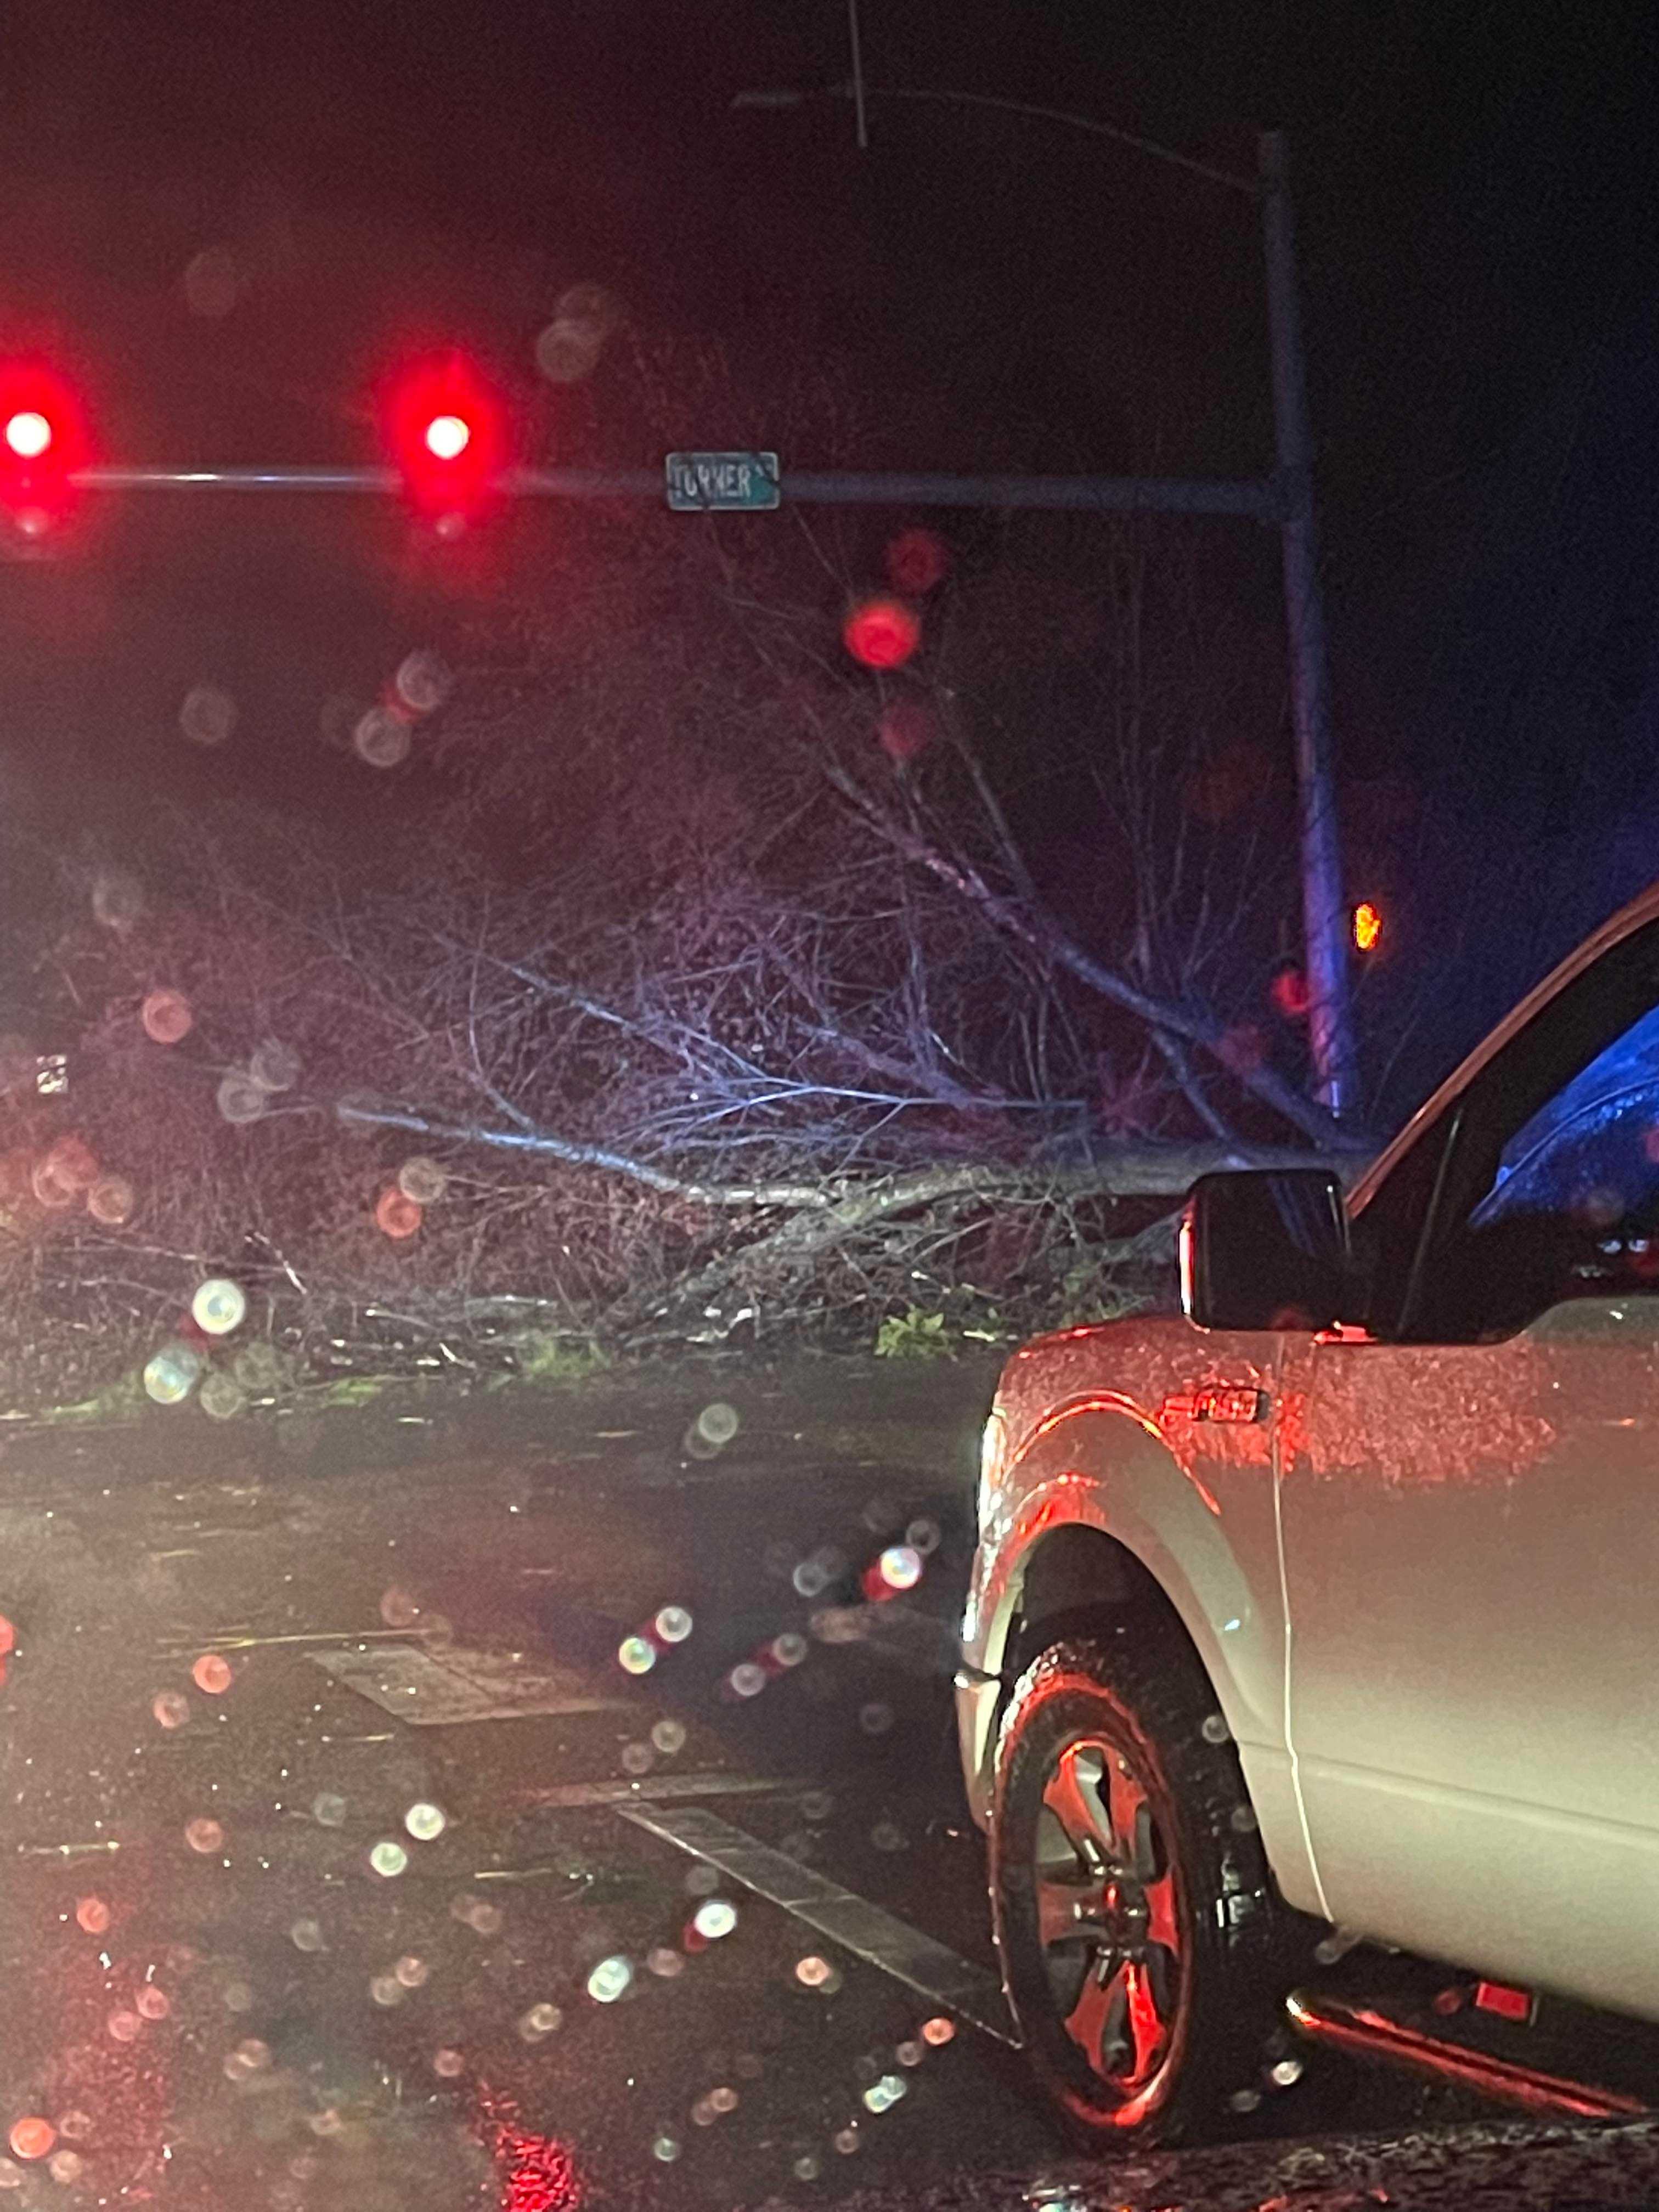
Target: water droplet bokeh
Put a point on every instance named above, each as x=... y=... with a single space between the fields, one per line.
x=610 y=1979
x=207 y=716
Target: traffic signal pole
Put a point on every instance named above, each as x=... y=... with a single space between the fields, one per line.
x=1324 y=908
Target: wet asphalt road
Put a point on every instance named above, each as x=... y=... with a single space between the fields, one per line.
x=241 y=1970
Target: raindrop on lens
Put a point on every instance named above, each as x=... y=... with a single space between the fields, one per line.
x=171 y=1375
x=422 y=1181
x=396 y=1216
x=207 y=716
x=881 y=2096
x=610 y=1979
x=112 y=1200
x=718 y=1424
x=669 y=1736
x=220 y=1397
x=381 y=738
x=118 y=901
x=388 y=1858
x=239 y=1098
x=274 y=1065
x=900 y=1566
x=258 y=1367
x=32 y=2137
x=423 y=683
x=715 y=1918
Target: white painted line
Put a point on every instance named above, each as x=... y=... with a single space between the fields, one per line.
x=462 y=1687
x=881 y=1940
x=660 y=1786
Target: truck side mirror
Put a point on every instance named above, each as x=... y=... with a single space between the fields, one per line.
x=1266 y=1249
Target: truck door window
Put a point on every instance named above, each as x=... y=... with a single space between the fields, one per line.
x=1573 y=1210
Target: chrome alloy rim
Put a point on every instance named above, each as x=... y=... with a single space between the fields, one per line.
x=1107 y=1917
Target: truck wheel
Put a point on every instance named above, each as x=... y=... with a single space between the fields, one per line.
x=1144 y=1947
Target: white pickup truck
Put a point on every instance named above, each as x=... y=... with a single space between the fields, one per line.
x=1329 y=1609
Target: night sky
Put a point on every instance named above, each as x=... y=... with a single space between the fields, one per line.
x=1478 y=245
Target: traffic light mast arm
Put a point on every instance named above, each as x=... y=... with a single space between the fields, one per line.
x=1262 y=500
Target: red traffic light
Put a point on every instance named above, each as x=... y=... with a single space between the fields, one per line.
x=882 y=633
x=42 y=442
x=448 y=436
x=446 y=433
x=29 y=434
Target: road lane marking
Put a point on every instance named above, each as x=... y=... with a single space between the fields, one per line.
x=463 y=1686
x=876 y=1936
x=665 y=1785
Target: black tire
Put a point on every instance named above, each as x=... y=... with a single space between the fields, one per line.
x=1183 y=1953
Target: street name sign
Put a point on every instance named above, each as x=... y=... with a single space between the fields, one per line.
x=705 y=483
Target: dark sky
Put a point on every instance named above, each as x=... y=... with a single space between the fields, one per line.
x=1475 y=221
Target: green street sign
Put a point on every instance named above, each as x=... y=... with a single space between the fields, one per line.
x=710 y=483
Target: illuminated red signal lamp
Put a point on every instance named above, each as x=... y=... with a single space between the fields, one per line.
x=446 y=434
x=43 y=442
x=29 y=434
